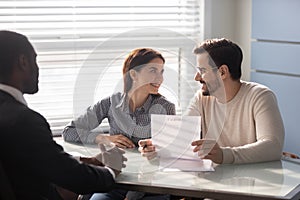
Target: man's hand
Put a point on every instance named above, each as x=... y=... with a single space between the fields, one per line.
x=91 y=160
x=208 y=149
x=147 y=149
x=113 y=158
x=119 y=140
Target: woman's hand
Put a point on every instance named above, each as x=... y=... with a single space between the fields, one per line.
x=119 y=140
x=147 y=149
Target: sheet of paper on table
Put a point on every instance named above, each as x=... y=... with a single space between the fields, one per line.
x=172 y=136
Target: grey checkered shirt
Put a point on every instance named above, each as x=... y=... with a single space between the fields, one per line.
x=134 y=125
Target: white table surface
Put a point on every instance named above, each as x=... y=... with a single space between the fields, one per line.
x=268 y=180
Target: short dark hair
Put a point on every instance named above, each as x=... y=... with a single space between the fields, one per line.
x=223 y=51
x=12 y=45
x=136 y=60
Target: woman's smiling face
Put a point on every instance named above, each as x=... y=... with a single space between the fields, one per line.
x=150 y=77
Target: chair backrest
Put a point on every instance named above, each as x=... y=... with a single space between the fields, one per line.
x=6 y=191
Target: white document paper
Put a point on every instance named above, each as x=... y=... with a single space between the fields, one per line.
x=172 y=136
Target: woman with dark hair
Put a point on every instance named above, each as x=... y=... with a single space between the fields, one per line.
x=128 y=113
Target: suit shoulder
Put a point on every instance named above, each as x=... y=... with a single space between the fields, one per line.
x=15 y=112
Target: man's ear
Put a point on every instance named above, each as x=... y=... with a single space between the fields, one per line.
x=224 y=71
x=22 y=62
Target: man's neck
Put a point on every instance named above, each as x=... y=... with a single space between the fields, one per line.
x=231 y=89
x=17 y=94
x=11 y=83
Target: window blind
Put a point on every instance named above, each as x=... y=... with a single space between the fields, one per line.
x=81 y=46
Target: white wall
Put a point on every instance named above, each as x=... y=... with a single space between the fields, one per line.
x=230 y=19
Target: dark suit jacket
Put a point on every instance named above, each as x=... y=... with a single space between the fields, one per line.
x=32 y=160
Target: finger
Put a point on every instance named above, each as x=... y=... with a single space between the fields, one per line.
x=197 y=142
x=141 y=149
x=142 y=143
x=120 y=145
x=123 y=165
x=149 y=142
x=197 y=148
x=145 y=142
x=149 y=149
x=127 y=142
x=124 y=158
x=102 y=147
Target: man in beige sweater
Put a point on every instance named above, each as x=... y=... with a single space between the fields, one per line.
x=240 y=121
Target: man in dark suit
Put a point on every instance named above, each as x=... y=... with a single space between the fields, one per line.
x=34 y=164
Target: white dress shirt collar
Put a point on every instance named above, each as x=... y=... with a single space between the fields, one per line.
x=17 y=94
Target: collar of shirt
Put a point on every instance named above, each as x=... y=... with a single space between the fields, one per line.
x=146 y=105
x=124 y=105
x=122 y=102
x=17 y=94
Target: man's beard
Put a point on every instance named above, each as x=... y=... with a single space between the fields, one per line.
x=206 y=92
x=210 y=89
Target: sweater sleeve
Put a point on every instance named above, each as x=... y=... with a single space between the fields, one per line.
x=193 y=108
x=269 y=132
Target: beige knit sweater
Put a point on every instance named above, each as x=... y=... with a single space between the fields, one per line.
x=249 y=128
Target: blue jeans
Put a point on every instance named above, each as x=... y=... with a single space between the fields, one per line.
x=121 y=194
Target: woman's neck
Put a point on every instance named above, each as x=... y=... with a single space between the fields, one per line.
x=136 y=99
